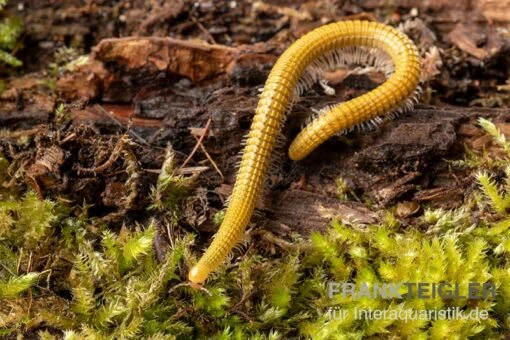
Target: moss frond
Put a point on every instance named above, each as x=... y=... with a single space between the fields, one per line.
x=282 y=285
x=17 y=285
x=170 y=187
x=499 y=201
x=45 y=335
x=496 y=135
x=84 y=302
x=30 y=220
x=136 y=246
x=10 y=31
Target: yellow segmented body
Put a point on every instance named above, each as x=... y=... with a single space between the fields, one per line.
x=274 y=100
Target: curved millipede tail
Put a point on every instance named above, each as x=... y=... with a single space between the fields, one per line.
x=274 y=101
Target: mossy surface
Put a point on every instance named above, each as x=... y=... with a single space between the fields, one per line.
x=63 y=274
x=10 y=30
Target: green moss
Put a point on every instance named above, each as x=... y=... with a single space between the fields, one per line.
x=16 y=285
x=27 y=222
x=170 y=188
x=10 y=30
x=62 y=115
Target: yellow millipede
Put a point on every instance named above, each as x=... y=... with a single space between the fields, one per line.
x=294 y=70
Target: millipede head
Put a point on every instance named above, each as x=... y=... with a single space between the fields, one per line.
x=197 y=276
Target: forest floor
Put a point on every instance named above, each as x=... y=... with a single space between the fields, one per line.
x=110 y=90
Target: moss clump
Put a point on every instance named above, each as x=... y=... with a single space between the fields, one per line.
x=28 y=221
x=88 y=281
x=171 y=187
x=10 y=30
x=16 y=285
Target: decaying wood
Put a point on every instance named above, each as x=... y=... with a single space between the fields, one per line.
x=477 y=40
x=402 y=160
x=306 y=211
x=140 y=67
x=25 y=103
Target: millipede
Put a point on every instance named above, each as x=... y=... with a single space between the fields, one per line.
x=299 y=67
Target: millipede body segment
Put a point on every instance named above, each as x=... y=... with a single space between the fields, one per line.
x=276 y=98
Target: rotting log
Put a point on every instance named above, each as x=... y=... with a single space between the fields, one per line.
x=403 y=160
